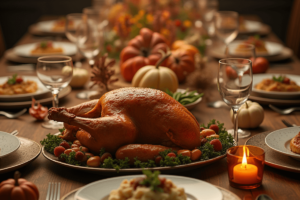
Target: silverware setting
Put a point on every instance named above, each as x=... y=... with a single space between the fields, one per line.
x=13 y=115
x=217 y=104
x=288 y=124
x=15 y=132
x=284 y=111
x=53 y=192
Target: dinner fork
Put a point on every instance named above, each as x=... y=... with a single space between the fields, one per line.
x=216 y=104
x=12 y=116
x=53 y=192
x=284 y=111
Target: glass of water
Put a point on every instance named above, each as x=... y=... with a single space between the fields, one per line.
x=55 y=72
x=235 y=90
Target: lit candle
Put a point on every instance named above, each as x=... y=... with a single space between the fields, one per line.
x=245 y=173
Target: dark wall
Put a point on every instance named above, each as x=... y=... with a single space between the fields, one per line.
x=17 y=15
x=275 y=13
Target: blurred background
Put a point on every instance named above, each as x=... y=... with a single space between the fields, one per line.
x=17 y=15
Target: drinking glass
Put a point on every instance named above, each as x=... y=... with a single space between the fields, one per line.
x=208 y=8
x=226 y=26
x=73 y=20
x=88 y=43
x=235 y=87
x=88 y=39
x=55 y=72
x=241 y=50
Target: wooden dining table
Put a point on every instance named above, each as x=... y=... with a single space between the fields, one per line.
x=278 y=184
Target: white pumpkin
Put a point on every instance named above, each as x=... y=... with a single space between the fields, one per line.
x=80 y=76
x=161 y=78
x=250 y=115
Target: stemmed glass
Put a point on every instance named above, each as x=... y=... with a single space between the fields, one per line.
x=226 y=26
x=55 y=72
x=73 y=20
x=235 y=90
x=208 y=8
x=240 y=50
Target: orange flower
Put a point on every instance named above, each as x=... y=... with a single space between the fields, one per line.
x=187 y=23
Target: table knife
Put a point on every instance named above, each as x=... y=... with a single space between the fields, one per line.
x=288 y=124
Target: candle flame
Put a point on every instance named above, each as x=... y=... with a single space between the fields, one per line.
x=244 y=161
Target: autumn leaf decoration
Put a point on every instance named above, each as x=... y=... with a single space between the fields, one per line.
x=101 y=72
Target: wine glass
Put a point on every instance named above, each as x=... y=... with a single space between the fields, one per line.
x=226 y=26
x=88 y=43
x=72 y=22
x=241 y=50
x=55 y=72
x=235 y=87
x=88 y=35
x=208 y=8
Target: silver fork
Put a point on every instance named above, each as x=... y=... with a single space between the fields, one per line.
x=15 y=115
x=217 y=104
x=53 y=191
x=284 y=111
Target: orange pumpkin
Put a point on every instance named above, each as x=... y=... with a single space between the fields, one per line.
x=180 y=44
x=18 y=189
x=182 y=62
x=142 y=50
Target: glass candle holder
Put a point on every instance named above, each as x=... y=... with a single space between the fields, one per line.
x=245 y=166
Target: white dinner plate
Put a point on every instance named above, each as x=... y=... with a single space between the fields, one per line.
x=25 y=50
x=280 y=141
x=22 y=97
x=8 y=144
x=195 y=189
x=47 y=26
x=272 y=47
x=251 y=27
x=257 y=78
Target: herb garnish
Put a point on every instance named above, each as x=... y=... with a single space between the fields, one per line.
x=51 y=142
x=152 y=180
x=116 y=163
x=12 y=80
x=279 y=79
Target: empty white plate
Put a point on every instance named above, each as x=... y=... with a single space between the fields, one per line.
x=195 y=189
x=8 y=144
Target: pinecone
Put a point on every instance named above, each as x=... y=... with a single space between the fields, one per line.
x=101 y=74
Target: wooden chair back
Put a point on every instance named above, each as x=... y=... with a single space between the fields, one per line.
x=293 y=34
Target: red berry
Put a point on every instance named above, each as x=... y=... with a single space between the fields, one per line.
x=65 y=144
x=215 y=128
x=79 y=156
x=157 y=160
x=59 y=150
x=217 y=144
x=162 y=182
x=286 y=80
x=171 y=155
x=19 y=79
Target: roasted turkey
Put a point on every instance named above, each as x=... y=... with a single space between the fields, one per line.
x=129 y=116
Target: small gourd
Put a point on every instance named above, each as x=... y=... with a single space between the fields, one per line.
x=250 y=115
x=156 y=77
x=80 y=76
x=18 y=189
